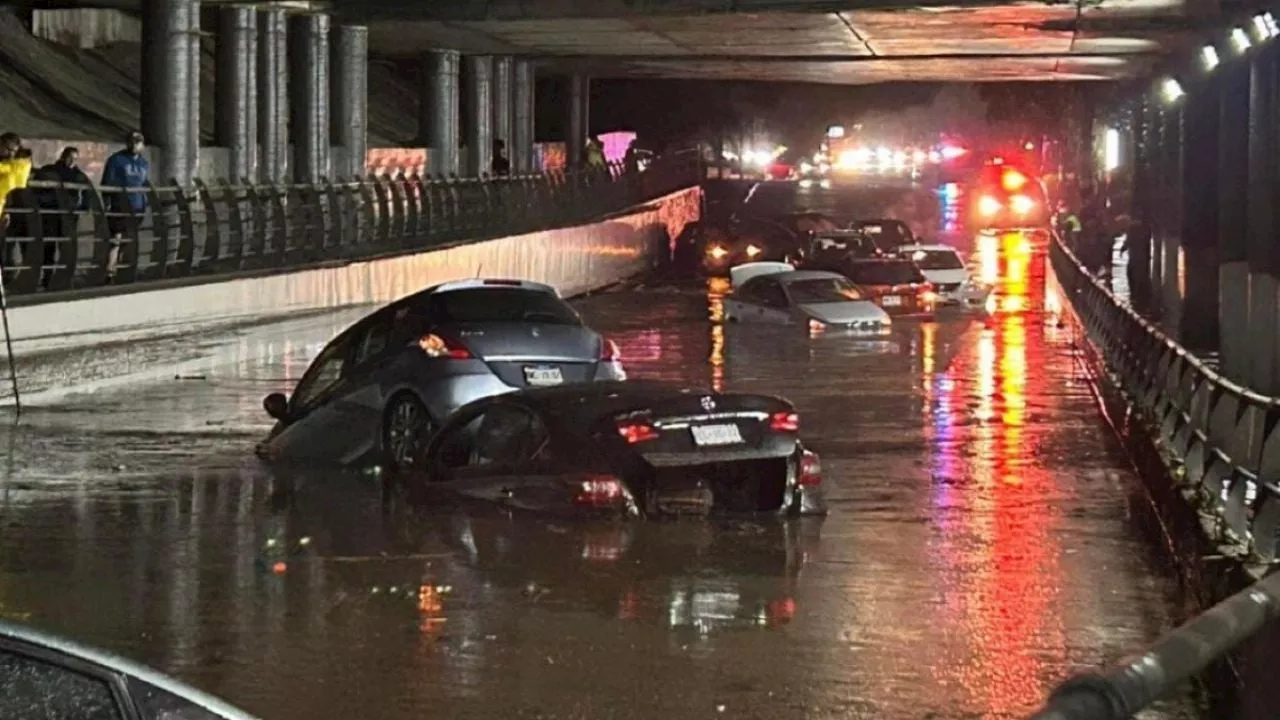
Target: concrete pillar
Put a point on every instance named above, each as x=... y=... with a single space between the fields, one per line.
x=523 y=123
x=503 y=107
x=1199 y=326
x=235 y=120
x=350 y=91
x=577 y=123
x=1155 y=163
x=196 y=54
x=1260 y=234
x=1171 y=240
x=309 y=96
x=169 y=28
x=1233 y=183
x=438 y=118
x=1139 y=272
x=479 y=113
x=273 y=97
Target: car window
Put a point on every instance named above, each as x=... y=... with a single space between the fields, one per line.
x=373 y=341
x=494 y=305
x=31 y=688
x=885 y=273
x=508 y=435
x=324 y=373
x=822 y=290
x=157 y=704
x=937 y=260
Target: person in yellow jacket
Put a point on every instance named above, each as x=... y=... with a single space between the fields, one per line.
x=15 y=171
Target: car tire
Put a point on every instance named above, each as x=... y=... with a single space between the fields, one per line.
x=406 y=426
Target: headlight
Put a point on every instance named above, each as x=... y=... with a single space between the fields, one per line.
x=753 y=251
x=1022 y=204
x=816 y=326
x=717 y=252
x=988 y=206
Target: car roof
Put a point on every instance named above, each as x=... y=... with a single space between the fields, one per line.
x=930 y=247
x=801 y=275
x=26 y=633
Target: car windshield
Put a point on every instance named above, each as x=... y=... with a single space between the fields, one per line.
x=502 y=305
x=822 y=290
x=885 y=273
x=937 y=260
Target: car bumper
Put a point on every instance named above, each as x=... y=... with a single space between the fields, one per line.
x=443 y=396
x=967 y=298
x=809 y=500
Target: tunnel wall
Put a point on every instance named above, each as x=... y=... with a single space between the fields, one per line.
x=59 y=345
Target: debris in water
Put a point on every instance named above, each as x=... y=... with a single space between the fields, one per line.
x=190 y=377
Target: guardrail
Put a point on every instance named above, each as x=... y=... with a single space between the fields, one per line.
x=60 y=236
x=1220 y=440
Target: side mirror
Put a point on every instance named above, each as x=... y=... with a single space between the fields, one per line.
x=276 y=405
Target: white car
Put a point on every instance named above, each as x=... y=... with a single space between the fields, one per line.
x=776 y=293
x=945 y=270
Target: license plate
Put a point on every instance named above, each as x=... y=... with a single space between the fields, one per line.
x=892 y=300
x=716 y=434
x=543 y=377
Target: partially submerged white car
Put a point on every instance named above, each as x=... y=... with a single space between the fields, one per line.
x=944 y=268
x=776 y=293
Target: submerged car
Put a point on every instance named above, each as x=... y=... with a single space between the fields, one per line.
x=943 y=267
x=895 y=284
x=622 y=449
x=379 y=389
x=888 y=234
x=745 y=240
x=1008 y=198
x=45 y=676
x=778 y=294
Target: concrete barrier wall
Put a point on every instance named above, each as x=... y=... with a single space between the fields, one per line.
x=60 y=343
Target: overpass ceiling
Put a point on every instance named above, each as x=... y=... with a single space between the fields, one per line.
x=1094 y=40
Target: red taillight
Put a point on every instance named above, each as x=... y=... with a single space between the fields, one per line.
x=636 y=432
x=784 y=422
x=599 y=491
x=810 y=469
x=609 y=351
x=437 y=347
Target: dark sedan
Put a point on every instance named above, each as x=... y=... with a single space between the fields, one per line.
x=623 y=449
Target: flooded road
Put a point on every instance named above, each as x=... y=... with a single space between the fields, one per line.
x=980 y=545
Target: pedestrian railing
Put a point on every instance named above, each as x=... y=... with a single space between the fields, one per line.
x=60 y=236
x=1221 y=440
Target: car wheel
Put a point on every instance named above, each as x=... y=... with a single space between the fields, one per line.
x=406 y=426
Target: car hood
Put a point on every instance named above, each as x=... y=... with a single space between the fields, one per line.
x=839 y=313
x=946 y=277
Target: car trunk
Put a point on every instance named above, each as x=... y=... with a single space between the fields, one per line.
x=896 y=299
x=534 y=355
x=746 y=486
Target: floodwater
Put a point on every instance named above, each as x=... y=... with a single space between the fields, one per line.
x=980 y=547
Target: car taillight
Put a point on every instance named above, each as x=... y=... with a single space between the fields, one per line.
x=1022 y=204
x=437 y=347
x=810 y=469
x=784 y=422
x=609 y=351
x=636 y=432
x=598 y=491
x=988 y=205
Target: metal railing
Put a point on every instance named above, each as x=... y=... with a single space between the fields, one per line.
x=60 y=236
x=1221 y=440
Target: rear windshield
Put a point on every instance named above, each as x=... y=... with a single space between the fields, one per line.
x=887 y=233
x=937 y=260
x=853 y=245
x=502 y=305
x=885 y=273
x=822 y=290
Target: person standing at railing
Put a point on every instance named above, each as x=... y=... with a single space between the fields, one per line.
x=594 y=153
x=500 y=166
x=126 y=174
x=60 y=206
x=15 y=171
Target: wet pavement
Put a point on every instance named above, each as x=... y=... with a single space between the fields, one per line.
x=981 y=543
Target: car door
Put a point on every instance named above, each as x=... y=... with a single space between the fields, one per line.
x=356 y=404
x=42 y=681
x=771 y=305
x=314 y=423
x=507 y=458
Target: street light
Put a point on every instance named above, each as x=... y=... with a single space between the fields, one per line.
x=1209 y=56
x=1171 y=90
x=1111 y=150
x=1240 y=40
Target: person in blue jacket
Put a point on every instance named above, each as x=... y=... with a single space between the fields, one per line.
x=124 y=181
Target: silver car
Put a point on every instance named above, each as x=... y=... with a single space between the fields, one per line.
x=382 y=387
x=44 y=676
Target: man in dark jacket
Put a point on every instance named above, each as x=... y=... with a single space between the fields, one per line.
x=500 y=166
x=60 y=206
x=124 y=181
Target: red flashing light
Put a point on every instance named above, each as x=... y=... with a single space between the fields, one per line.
x=599 y=491
x=1012 y=180
x=637 y=432
x=784 y=422
x=810 y=469
x=437 y=347
x=609 y=351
